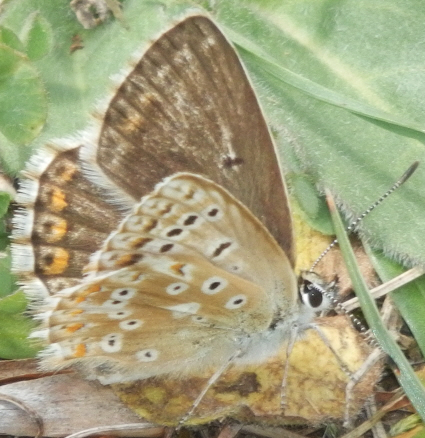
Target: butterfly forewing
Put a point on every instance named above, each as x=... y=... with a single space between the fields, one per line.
x=188 y=106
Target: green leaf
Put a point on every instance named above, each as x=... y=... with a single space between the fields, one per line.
x=15 y=328
x=420 y=434
x=9 y=61
x=7 y=280
x=23 y=104
x=22 y=96
x=405 y=424
x=9 y=38
x=5 y=199
x=39 y=37
x=313 y=205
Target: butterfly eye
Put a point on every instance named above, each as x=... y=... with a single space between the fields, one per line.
x=313 y=291
x=314 y=297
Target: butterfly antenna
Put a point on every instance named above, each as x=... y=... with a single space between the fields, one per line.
x=402 y=180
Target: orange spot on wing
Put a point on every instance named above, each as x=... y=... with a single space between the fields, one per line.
x=80 y=350
x=92 y=289
x=74 y=327
x=57 y=200
x=84 y=293
x=150 y=225
x=134 y=122
x=57 y=262
x=128 y=259
x=178 y=268
x=56 y=231
x=76 y=312
x=141 y=242
x=68 y=172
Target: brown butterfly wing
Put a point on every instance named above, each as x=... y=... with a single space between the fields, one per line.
x=62 y=219
x=189 y=106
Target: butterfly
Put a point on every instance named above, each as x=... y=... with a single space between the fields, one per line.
x=175 y=209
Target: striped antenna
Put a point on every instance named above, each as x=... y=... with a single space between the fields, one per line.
x=350 y=228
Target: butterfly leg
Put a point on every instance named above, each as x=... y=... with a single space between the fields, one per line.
x=325 y=340
x=371 y=360
x=291 y=341
x=213 y=379
x=354 y=377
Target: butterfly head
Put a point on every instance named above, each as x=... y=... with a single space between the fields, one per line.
x=315 y=294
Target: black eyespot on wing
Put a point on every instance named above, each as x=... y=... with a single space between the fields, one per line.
x=221 y=248
x=190 y=220
x=174 y=232
x=214 y=285
x=167 y=247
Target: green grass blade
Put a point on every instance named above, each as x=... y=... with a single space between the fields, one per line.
x=406 y=377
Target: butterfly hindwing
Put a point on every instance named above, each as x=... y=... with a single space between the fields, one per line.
x=62 y=219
